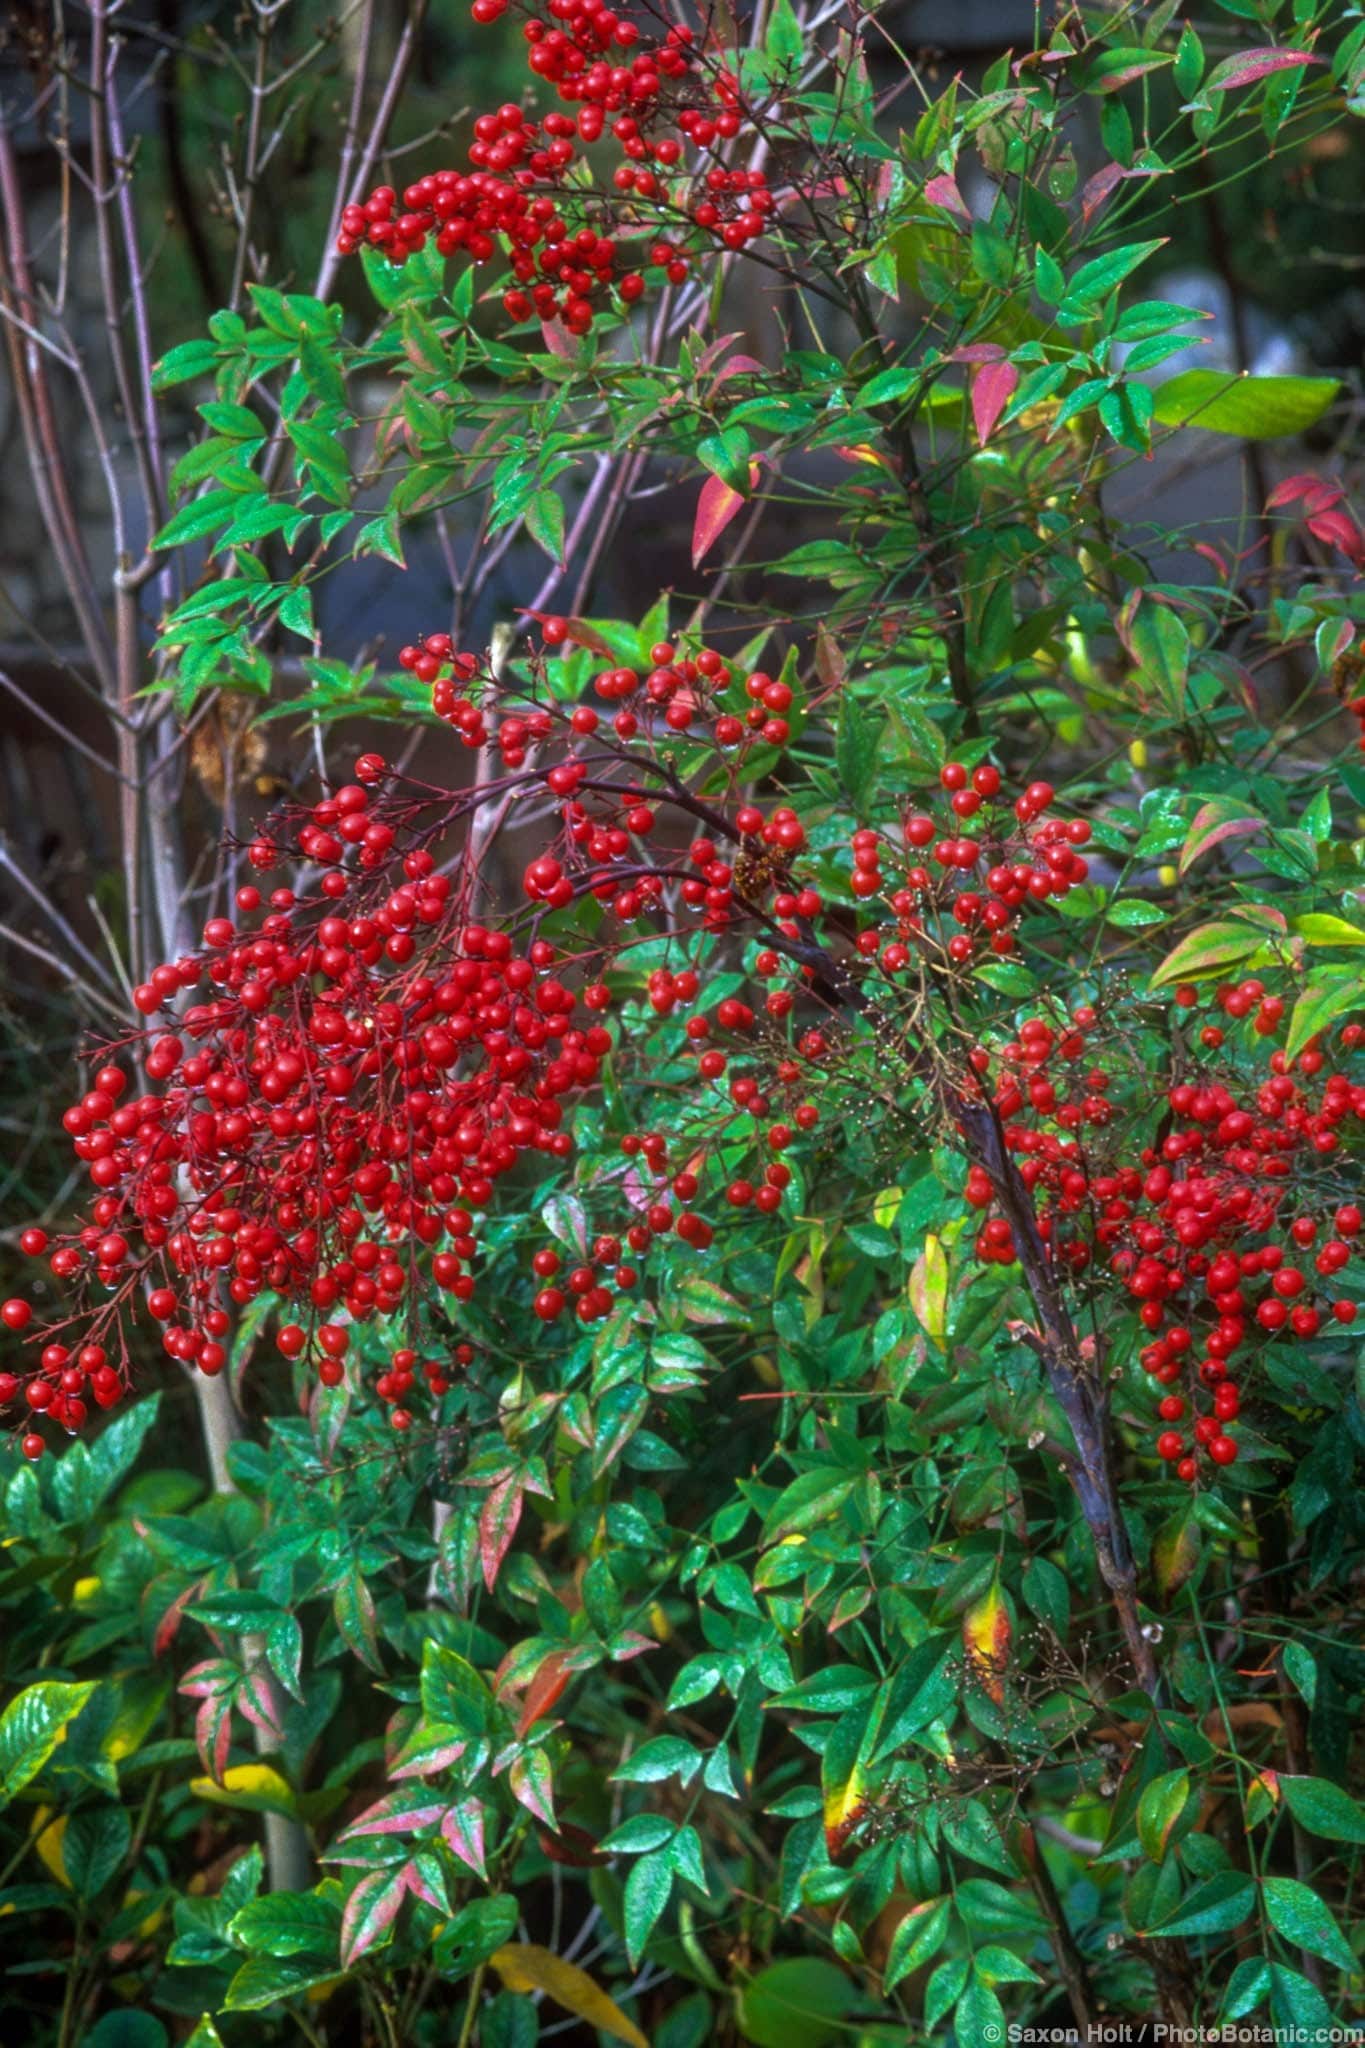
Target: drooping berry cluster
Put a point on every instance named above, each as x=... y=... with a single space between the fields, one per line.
x=670 y=108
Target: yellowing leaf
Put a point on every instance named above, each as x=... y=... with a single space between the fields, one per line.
x=929 y=1288
x=1175 y=1553
x=986 y=1636
x=255 y=1788
x=523 y=1966
x=1321 y=929
x=844 y=1807
x=48 y=1843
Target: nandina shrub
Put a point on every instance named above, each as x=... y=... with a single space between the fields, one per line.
x=791 y=1223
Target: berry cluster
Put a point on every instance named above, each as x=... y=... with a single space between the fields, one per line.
x=671 y=110
x=361 y=1065
x=1208 y=1229
x=1027 y=857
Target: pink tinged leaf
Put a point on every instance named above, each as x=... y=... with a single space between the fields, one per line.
x=416 y=1880
x=942 y=191
x=630 y=1644
x=532 y=1783
x=207 y=1680
x=1097 y=189
x=559 y=341
x=396 y=1814
x=993 y=386
x=462 y=1832
x=1213 y=824
x=213 y=1736
x=430 y=1749
x=353 y=1612
x=257 y=1702
x=716 y=507
x=370 y=1912
x=978 y=352
x=738 y=366
x=498 y=1525
x=1338 y=643
x=1249 y=65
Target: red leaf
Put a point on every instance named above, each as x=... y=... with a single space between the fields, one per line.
x=1249 y=65
x=572 y=1846
x=1313 y=491
x=169 y=1625
x=1340 y=531
x=545 y=1688
x=498 y=1525
x=716 y=507
x=993 y=386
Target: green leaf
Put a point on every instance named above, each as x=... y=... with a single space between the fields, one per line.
x=1297 y=2005
x=1092 y=284
x=665 y=1756
x=30 y=1729
x=638 y=1835
x=727 y=455
x=647 y=1893
x=814 y=1498
x=917 y=1937
x=979 y=2015
x=1320 y=1002
x=801 y=2003
x=1130 y=913
x=1048 y=1594
x=1253 y=408
x=289 y=1924
x=544 y=517
x=1324 y=1809
x=1214 y=1907
x=888 y=387
x=95 y=1843
x=1246 y=1988
x=203 y=516
x=857 y=746
x=784 y=41
x=129 y=2029
x=269 y=1980
x=1303 y=1918
x=189 y=359
x=1301 y=1670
